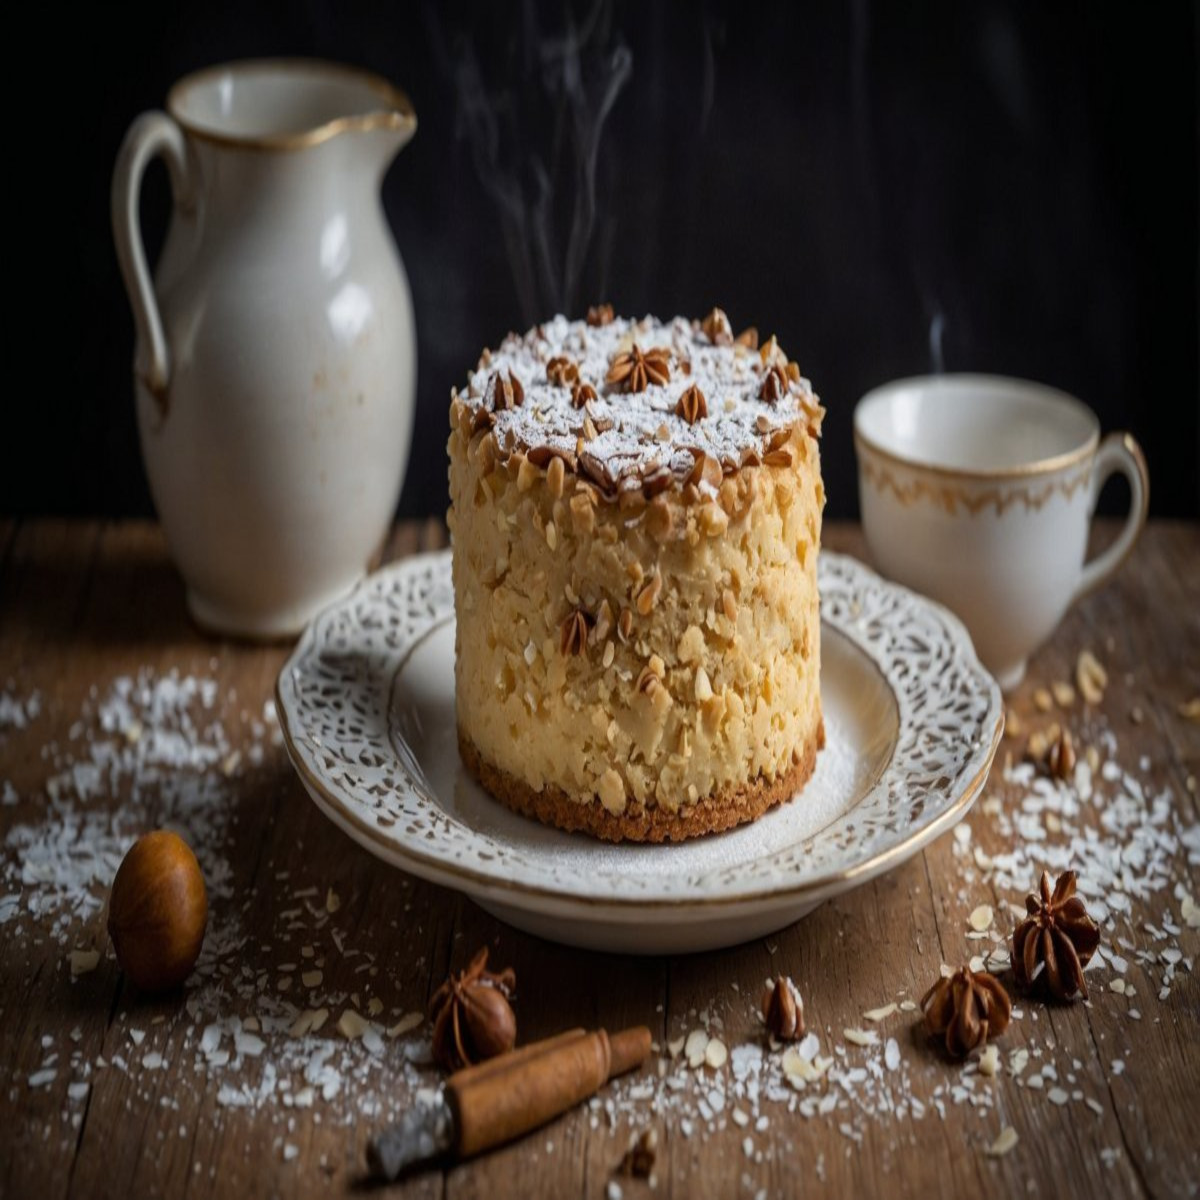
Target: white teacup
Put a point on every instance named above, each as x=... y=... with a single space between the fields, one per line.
x=978 y=491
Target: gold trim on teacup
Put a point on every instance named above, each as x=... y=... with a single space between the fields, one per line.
x=398 y=113
x=1040 y=466
x=951 y=497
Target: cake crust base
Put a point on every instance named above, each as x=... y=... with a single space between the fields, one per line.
x=715 y=813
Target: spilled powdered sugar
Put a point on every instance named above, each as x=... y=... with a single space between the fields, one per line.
x=264 y=1032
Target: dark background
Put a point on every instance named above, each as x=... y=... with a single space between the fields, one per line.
x=889 y=187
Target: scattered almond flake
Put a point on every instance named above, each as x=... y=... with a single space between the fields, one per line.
x=152 y=1061
x=332 y=901
x=675 y=1046
x=78 y=1090
x=740 y=1118
x=83 y=961
x=1057 y=1096
x=137 y=1036
x=352 y=1024
x=406 y=1024
x=716 y=1054
x=1004 y=1143
x=1117 y=984
x=880 y=1014
x=908 y=1006
x=861 y=1037
x=1018 y=1060
x=989 y=1060
x=1135 y=1014
x=312 y=979
x=290 y=1152
x=695 y=1047
x=374 y=1006
x=981 y=918
x=1094 y=1105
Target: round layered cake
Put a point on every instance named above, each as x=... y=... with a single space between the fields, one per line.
x=635 y=515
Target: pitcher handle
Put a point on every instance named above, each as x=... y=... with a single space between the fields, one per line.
x=1118 y=452
x=153 y=133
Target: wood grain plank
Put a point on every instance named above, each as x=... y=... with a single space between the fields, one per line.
x=81 y=605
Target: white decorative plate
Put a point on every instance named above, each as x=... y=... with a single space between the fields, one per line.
x=912 y=721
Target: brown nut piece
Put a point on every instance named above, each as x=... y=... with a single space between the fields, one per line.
x=157 y=911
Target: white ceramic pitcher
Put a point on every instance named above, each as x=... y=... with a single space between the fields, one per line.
x=276 y=350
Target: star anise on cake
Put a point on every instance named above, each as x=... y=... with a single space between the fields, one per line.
x=634 y=370
x=716 y=328
x=692 y=406
x=504 y=393
x=1059 y=934
x=581 y=394
x=472 y=1017
x=600 y=314
x=774 y=385
x=562 y=371
x=964 y=1009
x=573 y=633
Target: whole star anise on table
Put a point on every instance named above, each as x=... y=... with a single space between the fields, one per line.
x=472 y=1017
x=1057 y=933
x=964 y=1009
x=635 y=369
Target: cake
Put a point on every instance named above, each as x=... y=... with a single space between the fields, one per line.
x=635 y=518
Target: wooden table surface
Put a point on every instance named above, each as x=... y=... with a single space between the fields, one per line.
x=105 y=1093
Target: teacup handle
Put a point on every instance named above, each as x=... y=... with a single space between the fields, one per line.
x=153 y=133
x=1118 y=452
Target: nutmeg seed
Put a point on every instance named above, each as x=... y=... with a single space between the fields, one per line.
x=157 y=911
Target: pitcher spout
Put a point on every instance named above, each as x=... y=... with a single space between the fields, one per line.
x=290 y=104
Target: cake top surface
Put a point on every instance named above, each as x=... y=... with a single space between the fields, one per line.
x=636 y=405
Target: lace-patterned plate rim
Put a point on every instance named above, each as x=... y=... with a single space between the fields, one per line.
x=950 y=712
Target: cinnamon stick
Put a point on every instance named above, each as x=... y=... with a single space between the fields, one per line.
x=518 y=1094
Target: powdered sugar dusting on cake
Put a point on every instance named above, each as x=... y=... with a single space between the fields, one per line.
x=624 y=438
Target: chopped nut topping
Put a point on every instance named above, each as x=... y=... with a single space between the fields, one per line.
x=556 y=474
x=562 y=372
x=692 y=406
x=635 y=370
x=649 y=680
x=748 y=338
x=1063 y=692
x=729 y=604
x=604 y=621
x=772 y=354
x=625 y=624
x=716 y=328
x=648 y=596
x=782 y=457
x=573 y=634
x=707 y=470
x=583 y=393
x=1042 y=700
x=600 y=314
x=1189 y=710
x=775 y=384
x=1059 y=934
x=504 y=393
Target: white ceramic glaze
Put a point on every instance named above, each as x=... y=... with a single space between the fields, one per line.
x=276 y=354
x=978 y=491
x=366 y=703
